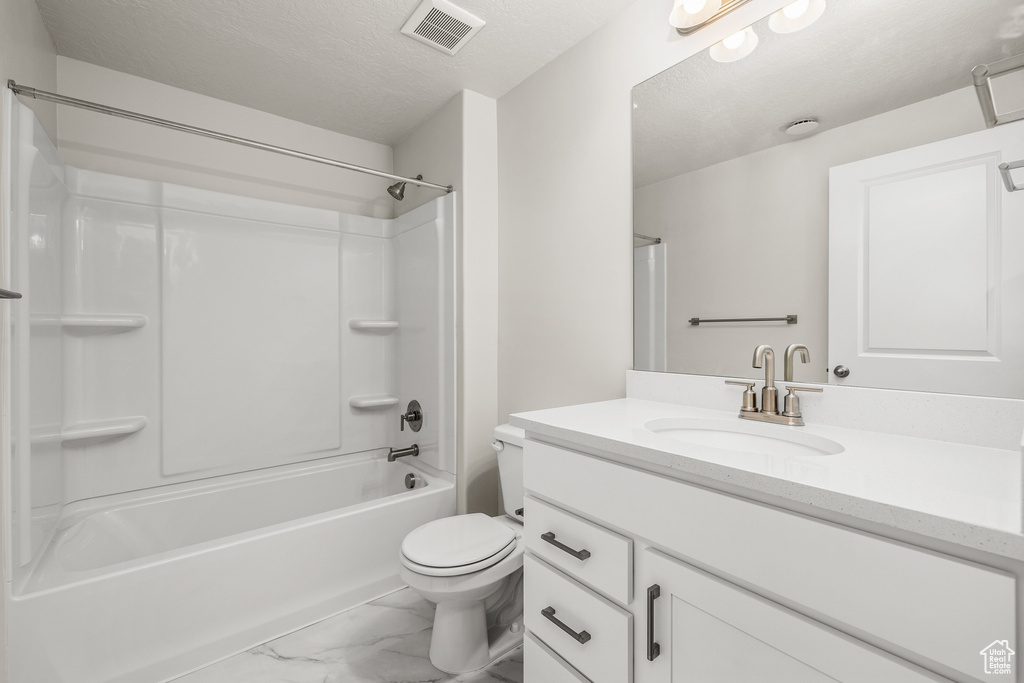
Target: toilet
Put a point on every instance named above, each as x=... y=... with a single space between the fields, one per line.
x=471 y=567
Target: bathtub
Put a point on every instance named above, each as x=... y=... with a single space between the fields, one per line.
x=144 y=587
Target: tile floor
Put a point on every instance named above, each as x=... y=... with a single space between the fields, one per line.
x=385 y=641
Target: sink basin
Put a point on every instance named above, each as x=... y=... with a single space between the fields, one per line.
x=743 y=437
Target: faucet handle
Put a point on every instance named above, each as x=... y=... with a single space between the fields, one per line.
x=749 y=397
x=792 y=402
x=413 y=417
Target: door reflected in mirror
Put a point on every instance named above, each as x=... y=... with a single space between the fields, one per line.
x=842 y=175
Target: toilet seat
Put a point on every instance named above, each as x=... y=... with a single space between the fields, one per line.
x=457 y=545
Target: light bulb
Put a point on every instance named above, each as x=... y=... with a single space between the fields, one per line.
x=796 y=9
x=796 y=15
x=736 y=46
x=687 y=14
x=735 y=40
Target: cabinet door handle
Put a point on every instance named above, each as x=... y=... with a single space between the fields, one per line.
x=653 y=649
x=8 y=294
x=549 y=614
x=578 y=554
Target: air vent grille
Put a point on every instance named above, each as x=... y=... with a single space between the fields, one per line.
x=443 y=29
x=442 y=25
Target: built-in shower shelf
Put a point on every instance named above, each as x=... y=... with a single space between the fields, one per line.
x=373 y=401
x=381 y=326
x=93 y=429
x=92 y=322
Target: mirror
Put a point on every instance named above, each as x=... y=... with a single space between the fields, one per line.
x=881 y=235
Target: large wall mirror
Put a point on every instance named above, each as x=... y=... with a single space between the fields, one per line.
x=841 y=180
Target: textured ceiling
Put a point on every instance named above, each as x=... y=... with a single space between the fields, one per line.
x=862 y=58
x=342 y=65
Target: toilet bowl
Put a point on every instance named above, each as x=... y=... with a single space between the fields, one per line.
x=471 y=567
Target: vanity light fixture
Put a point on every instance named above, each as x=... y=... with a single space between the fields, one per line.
x=735 y=47
x=690 y=13
x=796 y=15
x=688 y=16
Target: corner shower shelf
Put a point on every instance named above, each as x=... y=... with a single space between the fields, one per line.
x=382 y=326
x=93 y=322
x=372 y=401
x=95 y=429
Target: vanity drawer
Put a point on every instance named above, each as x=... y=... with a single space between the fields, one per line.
x=606 y=630
x=923 y=601
x=596 y=556
x=541 y=664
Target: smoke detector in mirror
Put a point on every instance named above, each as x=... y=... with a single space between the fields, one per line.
x=442 y=25
x=802 y=127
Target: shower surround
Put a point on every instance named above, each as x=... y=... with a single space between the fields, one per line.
x=202 y=391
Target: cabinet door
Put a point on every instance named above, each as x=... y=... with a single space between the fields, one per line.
x=705 y=629
x=541 y=664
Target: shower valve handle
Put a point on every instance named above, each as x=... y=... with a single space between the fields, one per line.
x=413 y=416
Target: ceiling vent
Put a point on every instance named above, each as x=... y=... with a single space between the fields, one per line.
x=442 y=25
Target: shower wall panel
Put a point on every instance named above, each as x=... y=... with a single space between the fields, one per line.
x=241 y=356
x=425 y=303
x=111 y=371
x=250 y=343
x=367 y=355
x=32 y=258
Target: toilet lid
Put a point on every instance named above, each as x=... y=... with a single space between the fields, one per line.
x=457 y=541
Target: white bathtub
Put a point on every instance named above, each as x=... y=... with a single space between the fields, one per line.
x=143 y=587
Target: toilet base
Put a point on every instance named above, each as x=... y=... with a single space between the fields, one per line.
x=464 y=643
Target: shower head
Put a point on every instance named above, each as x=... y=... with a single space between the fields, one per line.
x=398 y=189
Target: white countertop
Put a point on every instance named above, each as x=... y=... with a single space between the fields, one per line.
x=964 y=494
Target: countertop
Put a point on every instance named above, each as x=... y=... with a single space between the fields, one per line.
x=963 y=494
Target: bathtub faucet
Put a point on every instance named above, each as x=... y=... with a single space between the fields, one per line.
x=402 y=452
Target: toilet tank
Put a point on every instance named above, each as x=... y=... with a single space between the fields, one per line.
x=508 y=441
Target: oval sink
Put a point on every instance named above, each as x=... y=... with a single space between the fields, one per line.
x=743 y=437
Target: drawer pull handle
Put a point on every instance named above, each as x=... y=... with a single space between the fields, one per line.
x=578 y=554
x=549 y=614
x=653 y=649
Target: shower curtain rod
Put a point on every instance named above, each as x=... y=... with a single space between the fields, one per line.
x=195 y=130
x=656 y=240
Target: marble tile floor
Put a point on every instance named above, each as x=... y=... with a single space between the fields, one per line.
x=384 y=641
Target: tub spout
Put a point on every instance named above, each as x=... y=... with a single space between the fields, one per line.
x=402 y=452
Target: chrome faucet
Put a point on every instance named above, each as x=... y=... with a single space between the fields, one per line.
x=764 y=356
x=792 y=350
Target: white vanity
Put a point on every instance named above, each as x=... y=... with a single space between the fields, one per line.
x=667 y=540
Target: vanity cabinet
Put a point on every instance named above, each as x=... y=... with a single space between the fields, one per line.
x=745 y=591
x=703 y=628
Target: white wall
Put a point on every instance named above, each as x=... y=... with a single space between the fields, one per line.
x=112 y=145
x=565 y=288
x=28 y=56
x=458 y=145
x=478 y=303
x=761 y=247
